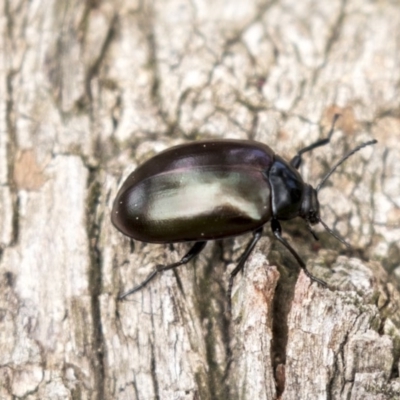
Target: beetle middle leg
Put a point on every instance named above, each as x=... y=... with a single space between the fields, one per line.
x=277 y=231
x=296 y=160
x=243 y=258
x=193 y=252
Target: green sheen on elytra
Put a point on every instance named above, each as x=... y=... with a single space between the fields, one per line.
x=186 y=198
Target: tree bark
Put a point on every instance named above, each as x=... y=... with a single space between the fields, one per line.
x=88 y=91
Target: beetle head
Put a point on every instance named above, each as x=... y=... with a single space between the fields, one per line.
x=310 y=213
x=310 y=205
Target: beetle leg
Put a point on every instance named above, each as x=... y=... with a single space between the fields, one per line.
x=296 y=160
x=277 y=230
x=194 y=251
x=243 y=258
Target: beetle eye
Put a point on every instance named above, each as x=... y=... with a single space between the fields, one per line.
x=313 y=217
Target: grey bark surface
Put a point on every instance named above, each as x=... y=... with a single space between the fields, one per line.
x=89 y=90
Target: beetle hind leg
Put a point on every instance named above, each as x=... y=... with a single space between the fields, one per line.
x=277 y=231
x=193 y=252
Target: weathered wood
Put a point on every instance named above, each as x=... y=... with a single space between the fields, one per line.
x=88 y=90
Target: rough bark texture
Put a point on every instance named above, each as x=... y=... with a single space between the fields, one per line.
x=89 y=89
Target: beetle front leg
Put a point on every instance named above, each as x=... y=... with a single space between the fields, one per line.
x=296 y=160
x=243 y=258
x=194 y=251
x=277 y=231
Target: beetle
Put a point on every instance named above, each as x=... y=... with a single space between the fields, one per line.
x=214 y=189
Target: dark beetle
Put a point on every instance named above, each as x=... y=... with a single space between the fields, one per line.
x=211 y=190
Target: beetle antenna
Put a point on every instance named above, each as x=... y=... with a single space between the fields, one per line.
x=341 y=161
x=335 y=235
x=312 y=231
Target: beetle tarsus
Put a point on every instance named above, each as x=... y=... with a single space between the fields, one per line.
x=277 y=231
x=140 y=286
x=193 y=252
x=242 y=260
